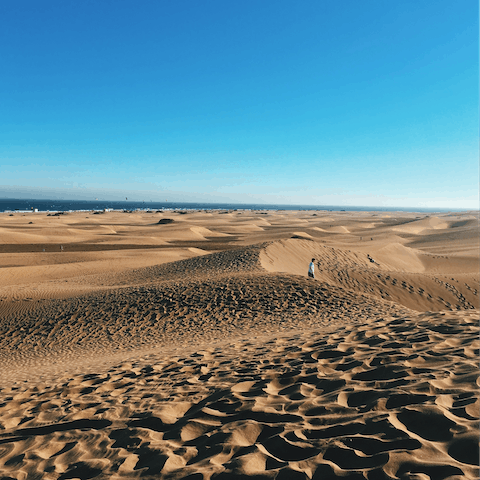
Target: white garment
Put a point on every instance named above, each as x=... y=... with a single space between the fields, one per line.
x=311 y=268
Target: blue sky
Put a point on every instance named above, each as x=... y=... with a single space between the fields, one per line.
x=371 y=103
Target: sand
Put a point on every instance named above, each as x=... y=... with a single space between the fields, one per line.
x=192 y=345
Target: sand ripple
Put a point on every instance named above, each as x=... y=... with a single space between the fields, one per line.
x=147 y=363
x=390 y=398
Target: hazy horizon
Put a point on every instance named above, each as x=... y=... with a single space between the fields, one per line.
x=185 y=197
x=130 y=203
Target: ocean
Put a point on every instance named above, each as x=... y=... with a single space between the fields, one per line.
x=42 y=205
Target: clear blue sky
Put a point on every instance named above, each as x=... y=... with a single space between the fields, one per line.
x=347 y=102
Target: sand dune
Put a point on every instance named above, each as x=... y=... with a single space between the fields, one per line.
x=333 y=229
x=205 y=232
x=369 y=274
x=420 y=226
x=396 y=256
x=198 y=348
x=244 y=228
x=15 y=237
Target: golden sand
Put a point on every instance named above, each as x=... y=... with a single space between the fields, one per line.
x=194 y=346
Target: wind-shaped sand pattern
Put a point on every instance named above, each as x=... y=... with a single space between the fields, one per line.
x=215 y=356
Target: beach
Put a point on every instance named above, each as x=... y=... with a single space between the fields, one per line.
x=192 y=344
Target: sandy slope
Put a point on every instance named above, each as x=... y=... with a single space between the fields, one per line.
x=197 y=347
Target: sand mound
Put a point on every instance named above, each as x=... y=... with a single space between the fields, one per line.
x=392 y=273
x=420 y=226
x=366 y=226
x=184 y=301
x=293 y=256
x=205 y=232
x=396 y=256
x=301 y=235
x=461 y=240
x=468 y=223
x=333 y=229
x=21 y=237
x=244 y=228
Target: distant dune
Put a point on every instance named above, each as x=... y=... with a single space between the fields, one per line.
x=194 y=346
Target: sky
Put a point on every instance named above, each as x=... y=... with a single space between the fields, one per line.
x=355 y=103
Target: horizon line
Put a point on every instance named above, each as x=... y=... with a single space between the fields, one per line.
x=314 y=206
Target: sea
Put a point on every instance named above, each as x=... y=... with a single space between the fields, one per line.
x=43 y=205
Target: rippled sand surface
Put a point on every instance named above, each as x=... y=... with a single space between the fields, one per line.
x=193 y=345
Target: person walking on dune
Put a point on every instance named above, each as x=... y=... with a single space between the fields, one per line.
x=311 y=269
